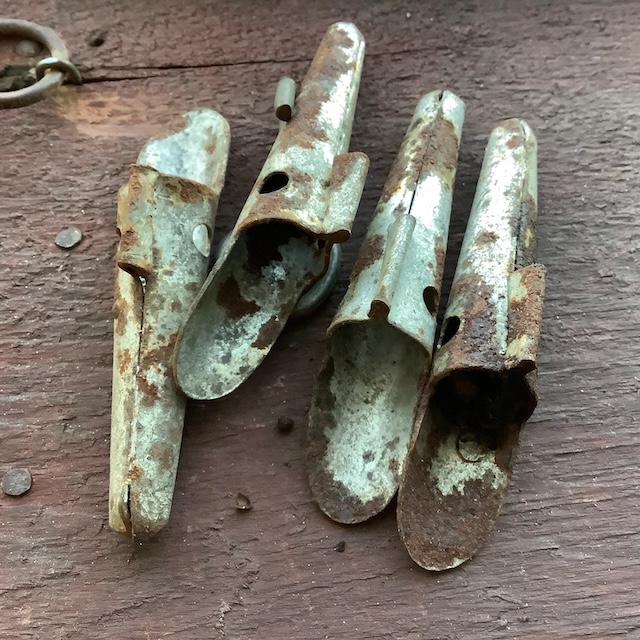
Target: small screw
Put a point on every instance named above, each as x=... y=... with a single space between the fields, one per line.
x=69 y=238
x=16 y=482
x=285 y=424
x=97 y=38
x=340 y=547
x=243 y=503
x=27 y=48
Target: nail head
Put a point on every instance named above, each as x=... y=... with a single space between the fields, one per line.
x=69 y=238
x=17 y=482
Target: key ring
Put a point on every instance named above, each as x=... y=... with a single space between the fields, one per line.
x=51 y=71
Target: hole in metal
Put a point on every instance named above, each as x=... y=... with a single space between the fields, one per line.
x=431 y=299
x=451 y=327
x=274 y=182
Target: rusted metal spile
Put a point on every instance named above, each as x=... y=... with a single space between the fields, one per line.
x=380 y=342
x=304 y=201
x=482 y=386
x=50 y=72
x=165 y=221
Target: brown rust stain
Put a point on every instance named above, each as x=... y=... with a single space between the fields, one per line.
x=163 y=454
x=230 y=298
x=513 y=126
x=472 y=342
x=149 y=391
x=213 y=142
x=124 y=361
x=487 y=237
x=370 y=252
x=437 y=529
x=176 y=306
x=440 y=254
x=525 y=314
x=186 y=191
x=268 y=333
x=135 y=471
x=337 y=501
x=159 y=354
x=442 y=151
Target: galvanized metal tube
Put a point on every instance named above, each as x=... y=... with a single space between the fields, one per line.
x=165 y=220
x=304 y=201
x=285 y=99
x=381 y=340
x=482 y=387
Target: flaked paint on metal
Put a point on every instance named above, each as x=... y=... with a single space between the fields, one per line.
x=482 y=386
x=170 y=198
x=304 y=200
x=381 y=340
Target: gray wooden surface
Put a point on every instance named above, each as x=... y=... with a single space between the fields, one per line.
x=565 y=557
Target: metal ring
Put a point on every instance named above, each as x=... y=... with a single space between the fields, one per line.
x=59 y=53
x=320 y=291
x=71 y=73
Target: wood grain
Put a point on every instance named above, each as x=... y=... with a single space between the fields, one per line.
x=565 y=558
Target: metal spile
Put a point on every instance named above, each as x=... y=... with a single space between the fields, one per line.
x=482 y=387
x=380 y=342
x=304 y=201
x=165 y=220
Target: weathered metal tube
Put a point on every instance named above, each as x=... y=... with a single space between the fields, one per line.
x=304 y=200
x=482 y=386
x=285 y=98
x=381 y=339
x=165 y=221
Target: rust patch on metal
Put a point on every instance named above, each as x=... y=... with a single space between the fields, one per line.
x=268 y=333
x=440 y=254
x=148 y=390
x=369 y=254
x=187 y=191
x=442 y=152
x=135 y=472
x=487 y=237
x=338 y=501
x=124 y=361
x=525 y=314
x=230 y=298
x=163 y=454
x=477 y=319
x=441 y=530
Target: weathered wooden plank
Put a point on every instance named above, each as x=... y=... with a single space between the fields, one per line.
x=564 y=559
